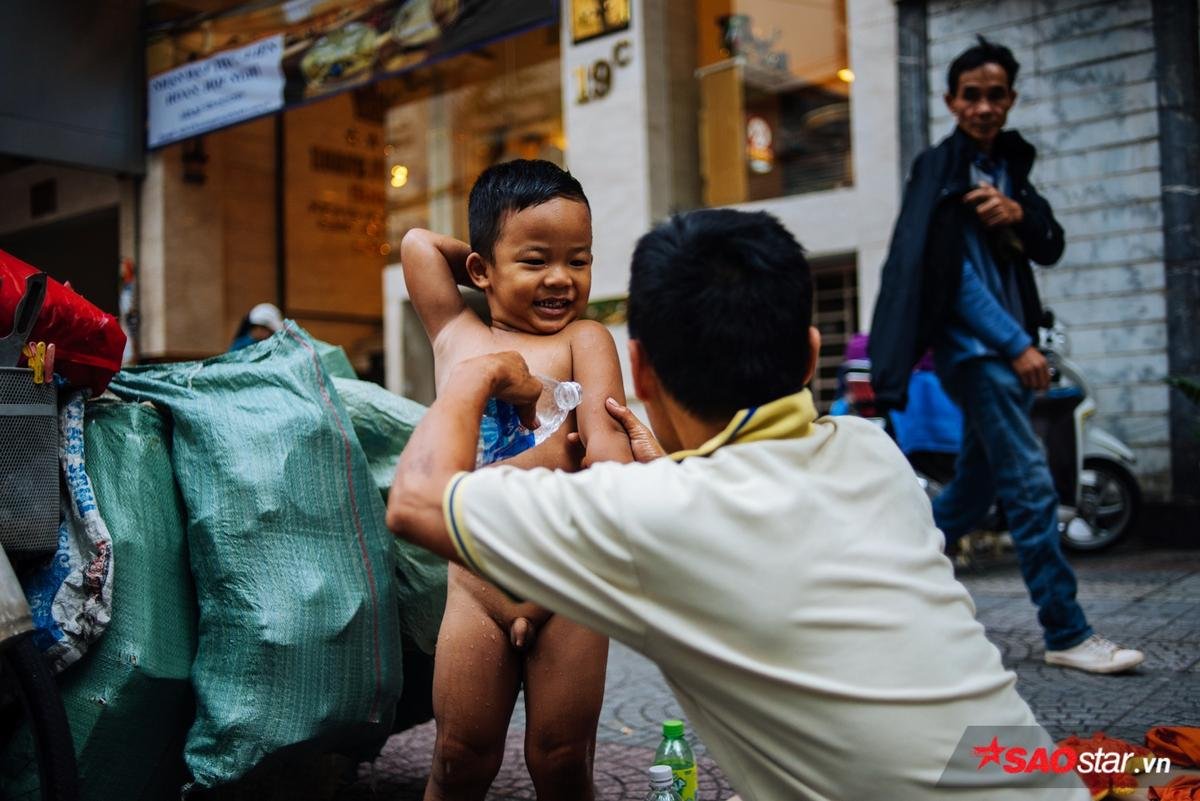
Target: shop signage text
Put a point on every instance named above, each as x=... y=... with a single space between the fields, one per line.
x=309 y=49
x=227 y=88
x=595 y=81
x=593 y=18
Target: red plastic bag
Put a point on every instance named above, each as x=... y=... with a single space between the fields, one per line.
x=88 y=342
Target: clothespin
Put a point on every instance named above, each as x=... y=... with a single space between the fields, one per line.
x=35 y=355
x=48 y=363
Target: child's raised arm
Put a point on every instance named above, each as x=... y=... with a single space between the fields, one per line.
x=596 y=367
x=434 y=265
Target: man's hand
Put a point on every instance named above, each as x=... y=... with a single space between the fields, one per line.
x=642 y=441
x=1032 y=368
x=994 y=207
x=507 y=378
x=444 y=444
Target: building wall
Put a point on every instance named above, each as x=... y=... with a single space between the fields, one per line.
x=1087 y=101
x=609 y=145
x=207 y=250
x=857 y=221
x=638 y=162
x=77 y=192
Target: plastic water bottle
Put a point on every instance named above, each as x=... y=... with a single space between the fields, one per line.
x=559 y=398
x=675 y=753
x=501 y=435
x=662 y=785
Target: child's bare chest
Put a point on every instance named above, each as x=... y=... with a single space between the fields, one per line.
x=548 y=356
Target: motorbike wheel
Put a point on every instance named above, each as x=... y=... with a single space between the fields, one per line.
x=1109 y=501
x=24 y=672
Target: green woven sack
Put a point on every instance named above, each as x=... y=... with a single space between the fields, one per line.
x=129 y=700
x=384 y=422
x=299 y=645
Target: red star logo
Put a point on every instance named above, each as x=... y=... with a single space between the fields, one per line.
x=989 y=753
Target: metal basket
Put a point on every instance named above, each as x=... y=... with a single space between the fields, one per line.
x=28 y=462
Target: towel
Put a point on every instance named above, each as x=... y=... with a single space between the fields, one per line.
x=1180 y=743
x=1184 y=788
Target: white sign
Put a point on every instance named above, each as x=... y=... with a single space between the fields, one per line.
x=232 y=86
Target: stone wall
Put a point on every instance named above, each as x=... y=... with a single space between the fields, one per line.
x=1087 y=101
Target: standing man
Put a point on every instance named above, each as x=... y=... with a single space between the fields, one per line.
x=958 y=279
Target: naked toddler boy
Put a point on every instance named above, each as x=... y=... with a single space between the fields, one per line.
x=530 y=253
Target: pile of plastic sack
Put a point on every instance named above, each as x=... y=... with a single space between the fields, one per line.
x=259 y=605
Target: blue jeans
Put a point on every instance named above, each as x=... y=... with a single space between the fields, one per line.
x=1002 y=458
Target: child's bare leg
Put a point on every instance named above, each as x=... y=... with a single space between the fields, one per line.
x=564 y=688
x=475 y=680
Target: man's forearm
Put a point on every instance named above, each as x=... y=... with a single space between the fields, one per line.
x=442 y=445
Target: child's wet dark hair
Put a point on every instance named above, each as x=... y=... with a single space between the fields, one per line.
x=721 y=301
x=512 y=186
x=986 y=52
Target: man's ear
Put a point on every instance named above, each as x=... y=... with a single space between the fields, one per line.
x=949 y=100
x=477 y=270
x=645 y=380
x=814 y=352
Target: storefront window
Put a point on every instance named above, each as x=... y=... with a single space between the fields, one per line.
x=448 y=123
x=363 y=167
x=774 y=83
x=835 y=314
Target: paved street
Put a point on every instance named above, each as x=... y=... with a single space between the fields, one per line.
x=1145 y=598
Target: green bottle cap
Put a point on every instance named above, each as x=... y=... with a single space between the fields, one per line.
x=672 y=728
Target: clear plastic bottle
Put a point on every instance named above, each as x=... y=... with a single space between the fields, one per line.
x=559 y=399
x=662 y=785
x=501 y=435
x=675 y=753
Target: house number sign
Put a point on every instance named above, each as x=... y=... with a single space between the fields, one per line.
x=595 y=81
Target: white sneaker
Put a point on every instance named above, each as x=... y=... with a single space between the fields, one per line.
x=1097 y=655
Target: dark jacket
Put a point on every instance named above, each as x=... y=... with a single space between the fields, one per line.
x=923 y=271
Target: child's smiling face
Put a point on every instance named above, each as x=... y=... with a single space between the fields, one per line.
x=541 y=270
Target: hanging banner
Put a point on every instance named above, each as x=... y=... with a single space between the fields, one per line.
x=231 y=87
x=260 y=58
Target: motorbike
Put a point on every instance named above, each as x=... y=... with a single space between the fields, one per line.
x=1093 y=471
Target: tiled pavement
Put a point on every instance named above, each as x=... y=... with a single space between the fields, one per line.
x=1144 y=598
x=1148 y=599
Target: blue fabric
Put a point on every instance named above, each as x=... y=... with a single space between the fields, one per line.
x=931 y=422
x=1002 y=457
x=986 y=317
x=501 y=435
x=245 y=340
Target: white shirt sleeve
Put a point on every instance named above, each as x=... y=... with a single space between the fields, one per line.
x=553 y=538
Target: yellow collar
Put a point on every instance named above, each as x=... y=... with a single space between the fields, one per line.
x=787 y=418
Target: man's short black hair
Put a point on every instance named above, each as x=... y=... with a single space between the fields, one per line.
x=721 y=301
x=512 y=186
x=986 y=52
